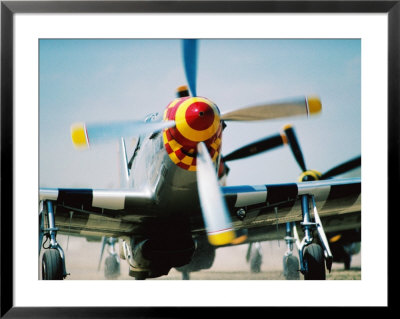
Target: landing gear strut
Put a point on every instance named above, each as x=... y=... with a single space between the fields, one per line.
x=53 y=261
x=312 y=256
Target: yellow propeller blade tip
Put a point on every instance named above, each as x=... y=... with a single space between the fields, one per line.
x=221 y=238
x=314 y=105
x=239 y=240
x=182 y=88
x=78 y=135
x=287 y=126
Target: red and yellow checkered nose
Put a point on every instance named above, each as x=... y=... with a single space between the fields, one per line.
x=197 y=120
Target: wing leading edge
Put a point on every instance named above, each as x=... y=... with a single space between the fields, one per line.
x=118 y=212
x=98 y=212
x=97 y=199
x=252 y=206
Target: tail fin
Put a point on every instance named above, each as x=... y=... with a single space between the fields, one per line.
x=123 y=164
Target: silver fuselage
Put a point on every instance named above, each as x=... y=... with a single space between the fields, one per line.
x=174 y=189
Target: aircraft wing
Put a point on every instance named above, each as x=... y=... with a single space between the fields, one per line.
x=98 y=212
x=338 y=203
x=121 y=212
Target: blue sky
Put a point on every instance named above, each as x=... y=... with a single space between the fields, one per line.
x=102 y=80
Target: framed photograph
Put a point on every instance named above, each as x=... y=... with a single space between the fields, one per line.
x=85 y=62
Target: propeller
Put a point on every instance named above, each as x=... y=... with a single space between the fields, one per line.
x=291 y=107
x=190 y=63
x=343 y=168
x=257 y=147
x=312 y=174
x=289 y=137
x=294 y=146
x=83 y=135
x=86 y=134
x=215 y=213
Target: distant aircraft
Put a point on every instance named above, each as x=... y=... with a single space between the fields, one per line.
x=172 y=209
x=344 y=241
x=112 y=263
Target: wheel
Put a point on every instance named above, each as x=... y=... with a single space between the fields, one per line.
x=52 y=267
x=112 y=268
x=291 y=267
x=341 y=254
x=255 y=262
x=347 y=262
x=141 y=275
x=314 y=263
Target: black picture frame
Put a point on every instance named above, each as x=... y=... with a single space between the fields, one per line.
x=9 y=8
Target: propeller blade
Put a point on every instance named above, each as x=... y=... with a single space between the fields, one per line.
x=215 y=213
x=294 y=146
x=83 y=135
x=190 y=63
x=256 y=148
x=314 y=175
x=343 y=168
x=293 y=107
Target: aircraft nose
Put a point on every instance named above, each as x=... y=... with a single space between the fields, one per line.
x=200 y=116
x=197 y=119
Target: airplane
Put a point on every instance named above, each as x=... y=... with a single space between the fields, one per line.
x=171 y=207
x=343 y=244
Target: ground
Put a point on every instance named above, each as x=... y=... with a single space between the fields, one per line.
x=82 y=260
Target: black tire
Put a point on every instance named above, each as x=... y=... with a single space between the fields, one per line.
x=112 y=268
x=141 y=275
x=52 y=267
x=314 y=263
x=291 y=268
x=347 y=262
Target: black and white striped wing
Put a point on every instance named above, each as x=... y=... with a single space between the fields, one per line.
x=97 y=212
x=263 y=205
